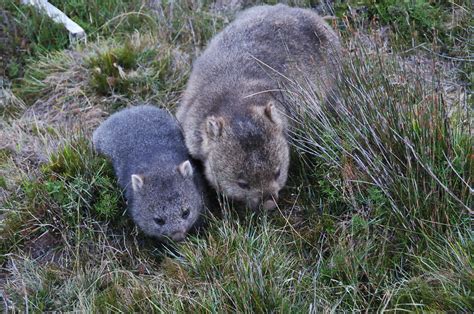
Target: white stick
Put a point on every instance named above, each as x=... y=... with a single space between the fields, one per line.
x=75 y=31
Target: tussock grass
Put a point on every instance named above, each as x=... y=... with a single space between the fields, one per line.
x=394 y=159
x=10 y=105
x=72 y=181
x=149 y=64
x=111 y=73
x=399 y=138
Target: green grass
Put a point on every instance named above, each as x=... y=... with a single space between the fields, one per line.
x=73 y=181
x=151 y=65
x=28 y=23
x=444 y=25
x=420 y=20
x=390 y=158
x=26 y=33
x=134 y=69
x=104 y=18
x=35 y=84
x=375 y=215
x=113 y=72
x=3 y=183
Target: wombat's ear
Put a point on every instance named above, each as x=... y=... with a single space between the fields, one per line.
x=214 y=126
x=186 y=169
x=272 y=113
x=137 y=182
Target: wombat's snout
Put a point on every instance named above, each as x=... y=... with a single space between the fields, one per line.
x=178 y=236
x=269 y=202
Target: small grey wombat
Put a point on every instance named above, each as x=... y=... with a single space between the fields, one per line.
x=231 y=113
x=146 y=146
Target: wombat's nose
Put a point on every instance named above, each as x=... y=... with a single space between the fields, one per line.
x=269 y=202
x=178 y=236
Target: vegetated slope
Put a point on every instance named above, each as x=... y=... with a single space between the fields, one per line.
x=376 y=215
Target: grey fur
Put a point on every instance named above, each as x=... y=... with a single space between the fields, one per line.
x=147 y=141
x=232 y=114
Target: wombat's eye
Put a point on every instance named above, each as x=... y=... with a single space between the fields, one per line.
x=277 y=174
x=159 y=221
x=243 y=185
x=185 y=213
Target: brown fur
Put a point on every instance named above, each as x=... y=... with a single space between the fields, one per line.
x=232 y=115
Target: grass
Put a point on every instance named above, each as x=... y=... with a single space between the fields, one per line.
x=149 y=65
x=376 y=215
x=26 y=32
x=104 y=18
x=29 y=33
x=116 y=73
x=399 y=167
x=443 y=26
x=136 y=68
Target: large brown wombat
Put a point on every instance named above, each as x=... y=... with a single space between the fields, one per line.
x=232 y=115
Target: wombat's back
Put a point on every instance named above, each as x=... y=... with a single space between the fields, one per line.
x=136 y=137
x=261 y=49
x=264 y=41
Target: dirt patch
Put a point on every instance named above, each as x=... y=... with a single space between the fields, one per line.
x=42 y=248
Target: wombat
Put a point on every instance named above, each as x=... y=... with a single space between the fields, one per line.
x=232 y=112
x=165 y=194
